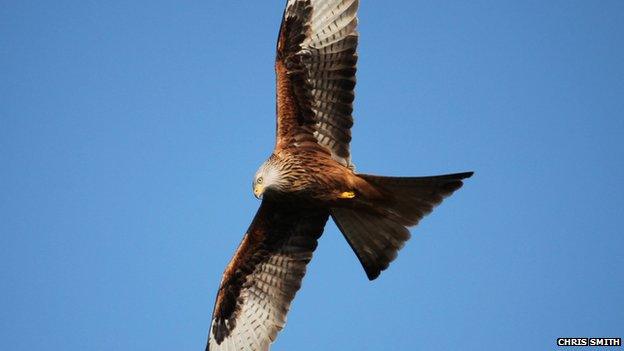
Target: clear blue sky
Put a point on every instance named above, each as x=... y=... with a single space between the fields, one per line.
x=129 y=134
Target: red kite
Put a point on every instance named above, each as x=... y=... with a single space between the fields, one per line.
x=310 y=177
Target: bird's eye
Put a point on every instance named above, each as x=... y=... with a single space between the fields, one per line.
x=259 y=181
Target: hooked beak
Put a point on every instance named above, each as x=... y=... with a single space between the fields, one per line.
x=258 y=191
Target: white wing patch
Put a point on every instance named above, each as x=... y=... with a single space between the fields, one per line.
x=329 y=55
x=267 y=292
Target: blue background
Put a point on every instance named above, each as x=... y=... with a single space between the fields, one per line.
x=130 y=132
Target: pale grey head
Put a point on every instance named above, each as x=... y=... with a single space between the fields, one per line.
x=268 y=177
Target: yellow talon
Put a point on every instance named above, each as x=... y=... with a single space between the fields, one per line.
x=347 y=195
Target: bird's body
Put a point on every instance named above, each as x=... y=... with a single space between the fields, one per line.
x=315 y=178
x=309 y=177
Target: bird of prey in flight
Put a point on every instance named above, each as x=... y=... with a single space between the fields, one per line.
x=310 y=177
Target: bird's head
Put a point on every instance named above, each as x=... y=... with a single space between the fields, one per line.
x=268 y=178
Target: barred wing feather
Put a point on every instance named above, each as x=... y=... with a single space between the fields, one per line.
x=315 y=66
x=263 y=277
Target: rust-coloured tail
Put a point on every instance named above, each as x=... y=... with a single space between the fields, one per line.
x=376 y=229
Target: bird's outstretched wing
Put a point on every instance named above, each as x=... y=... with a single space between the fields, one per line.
x=315 y=68
x=262 y=278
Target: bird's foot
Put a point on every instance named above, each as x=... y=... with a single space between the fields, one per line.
x=347 y=195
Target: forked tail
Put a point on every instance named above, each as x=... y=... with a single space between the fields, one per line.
x=376 y=229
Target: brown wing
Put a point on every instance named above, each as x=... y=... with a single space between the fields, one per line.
x=263 y=276
x=315 y=68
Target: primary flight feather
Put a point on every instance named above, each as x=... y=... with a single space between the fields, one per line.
x=310 y=177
